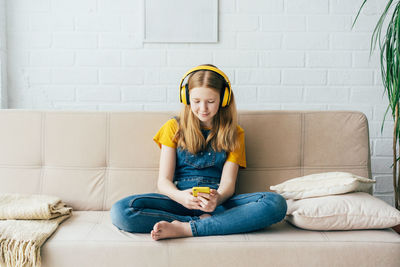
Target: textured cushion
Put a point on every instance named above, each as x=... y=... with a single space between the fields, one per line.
x=342 y=212
x=88 y=238
x=322 y=184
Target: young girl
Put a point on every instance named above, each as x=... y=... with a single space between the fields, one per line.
x=204 y=146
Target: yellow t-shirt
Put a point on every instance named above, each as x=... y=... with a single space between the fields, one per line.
x=167 y=132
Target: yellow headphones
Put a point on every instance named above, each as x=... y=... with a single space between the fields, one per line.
x=184 y=90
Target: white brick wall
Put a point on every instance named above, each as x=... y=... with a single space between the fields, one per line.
x=3 y=56
x=279 y=54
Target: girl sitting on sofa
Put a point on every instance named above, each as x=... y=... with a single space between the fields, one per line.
x=203 y=147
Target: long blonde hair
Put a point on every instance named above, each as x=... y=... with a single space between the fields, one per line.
x=223 y=134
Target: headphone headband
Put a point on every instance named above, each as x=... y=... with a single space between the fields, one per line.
x=204 y=67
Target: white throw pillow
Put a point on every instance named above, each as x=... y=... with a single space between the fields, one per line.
x=342 y=212
x=322 y=184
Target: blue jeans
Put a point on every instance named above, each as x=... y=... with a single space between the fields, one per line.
x=239 y=214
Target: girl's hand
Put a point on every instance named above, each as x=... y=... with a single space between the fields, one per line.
x=208 y=202
x=189 y=201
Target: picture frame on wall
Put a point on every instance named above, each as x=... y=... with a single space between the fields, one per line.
x=181 y=21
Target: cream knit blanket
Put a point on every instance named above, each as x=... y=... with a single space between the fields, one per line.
x=26 y=221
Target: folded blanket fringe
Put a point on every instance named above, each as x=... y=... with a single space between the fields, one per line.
x=19 y=253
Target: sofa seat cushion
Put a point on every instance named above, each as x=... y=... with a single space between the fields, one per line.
x=89 y=239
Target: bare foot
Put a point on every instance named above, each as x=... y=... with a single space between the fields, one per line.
x=163 y=230
x=205 y=215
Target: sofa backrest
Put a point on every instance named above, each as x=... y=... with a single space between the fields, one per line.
x=92 y=159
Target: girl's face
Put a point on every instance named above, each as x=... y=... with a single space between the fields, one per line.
x=204 y=103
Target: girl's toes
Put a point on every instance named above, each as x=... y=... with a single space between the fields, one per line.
x=156 y=227
x=154 y=235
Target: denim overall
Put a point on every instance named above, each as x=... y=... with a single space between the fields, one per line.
x=239 y=214
x=201 y=169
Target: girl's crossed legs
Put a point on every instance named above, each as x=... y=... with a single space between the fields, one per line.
x=165 y=218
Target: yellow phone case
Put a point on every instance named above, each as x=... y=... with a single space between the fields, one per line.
x=200 y=189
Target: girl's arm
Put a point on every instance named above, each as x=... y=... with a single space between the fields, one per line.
x=166 y=172
x=165 y=183
x=228 y=181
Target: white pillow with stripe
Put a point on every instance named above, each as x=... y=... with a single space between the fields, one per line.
x=350 y=211
x=322 y=184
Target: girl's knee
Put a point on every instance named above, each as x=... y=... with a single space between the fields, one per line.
x=128 y=216
x=117 y=214
x=281 y=206
x=123 y=215
x=276 y=204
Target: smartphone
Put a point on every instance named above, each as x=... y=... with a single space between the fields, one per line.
x=200 y=189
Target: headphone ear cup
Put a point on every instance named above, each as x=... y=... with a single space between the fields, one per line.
x=181 y=94
x=184 y=96
x=187 y=94
x=226 y=98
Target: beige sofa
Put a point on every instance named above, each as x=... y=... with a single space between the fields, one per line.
x=92 y=159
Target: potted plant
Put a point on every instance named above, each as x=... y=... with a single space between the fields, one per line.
x=389 y=44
